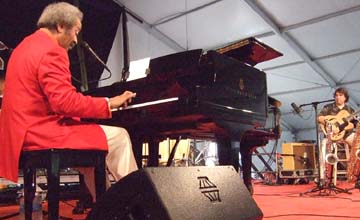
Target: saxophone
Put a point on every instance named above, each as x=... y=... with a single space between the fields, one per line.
x=353 y=169
x=331 y=158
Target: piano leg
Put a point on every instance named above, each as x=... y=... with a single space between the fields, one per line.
x=228 y=152
x=246 y=160
x=153 y=160
x=247 y=146
x=137 y=149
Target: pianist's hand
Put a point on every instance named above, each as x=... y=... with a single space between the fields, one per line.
x=121 y=100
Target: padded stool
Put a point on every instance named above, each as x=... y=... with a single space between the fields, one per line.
x=53 y=160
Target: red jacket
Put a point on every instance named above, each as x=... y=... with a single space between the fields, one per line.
x=39 y=103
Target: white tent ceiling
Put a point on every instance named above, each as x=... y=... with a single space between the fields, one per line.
x=319 y=40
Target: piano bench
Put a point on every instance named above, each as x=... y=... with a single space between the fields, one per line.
x=53 y=160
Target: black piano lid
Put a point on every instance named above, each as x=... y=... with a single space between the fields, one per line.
x=172 y=62
x=250 y=51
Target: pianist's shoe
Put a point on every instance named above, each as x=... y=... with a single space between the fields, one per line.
x=84 y=203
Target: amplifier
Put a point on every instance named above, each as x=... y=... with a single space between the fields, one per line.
x=297 y=173
x=298 y=156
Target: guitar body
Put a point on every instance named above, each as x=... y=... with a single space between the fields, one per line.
x=337 y=121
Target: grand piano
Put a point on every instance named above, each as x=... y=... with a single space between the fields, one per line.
x=217 y=95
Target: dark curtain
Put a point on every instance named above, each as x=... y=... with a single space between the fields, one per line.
x=101 y=18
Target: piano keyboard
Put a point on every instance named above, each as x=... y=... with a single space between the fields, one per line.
x=147 y=104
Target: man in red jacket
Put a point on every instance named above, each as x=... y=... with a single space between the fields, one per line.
x=41 y=108
x=2 y=84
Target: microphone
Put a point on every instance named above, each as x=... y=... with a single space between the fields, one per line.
x=86 y=45
x=296 y=108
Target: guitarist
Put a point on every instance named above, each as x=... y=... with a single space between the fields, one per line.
x=341 y=97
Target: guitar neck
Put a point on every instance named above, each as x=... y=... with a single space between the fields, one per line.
x=350 y=117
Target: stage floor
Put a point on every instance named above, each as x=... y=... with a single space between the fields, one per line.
x=286 y=202
x=278 y=202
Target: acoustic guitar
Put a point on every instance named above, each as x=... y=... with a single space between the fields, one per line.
x=340 y=123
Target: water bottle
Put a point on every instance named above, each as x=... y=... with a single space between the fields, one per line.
x=36 y=208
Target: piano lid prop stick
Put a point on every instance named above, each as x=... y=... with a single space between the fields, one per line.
x=147 y=104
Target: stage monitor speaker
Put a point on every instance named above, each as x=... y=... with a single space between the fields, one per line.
x=178 y=193
x=298 y=156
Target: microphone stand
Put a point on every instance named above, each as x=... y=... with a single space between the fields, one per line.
x=125 y=71
x=126 y=55
x=319 y=185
